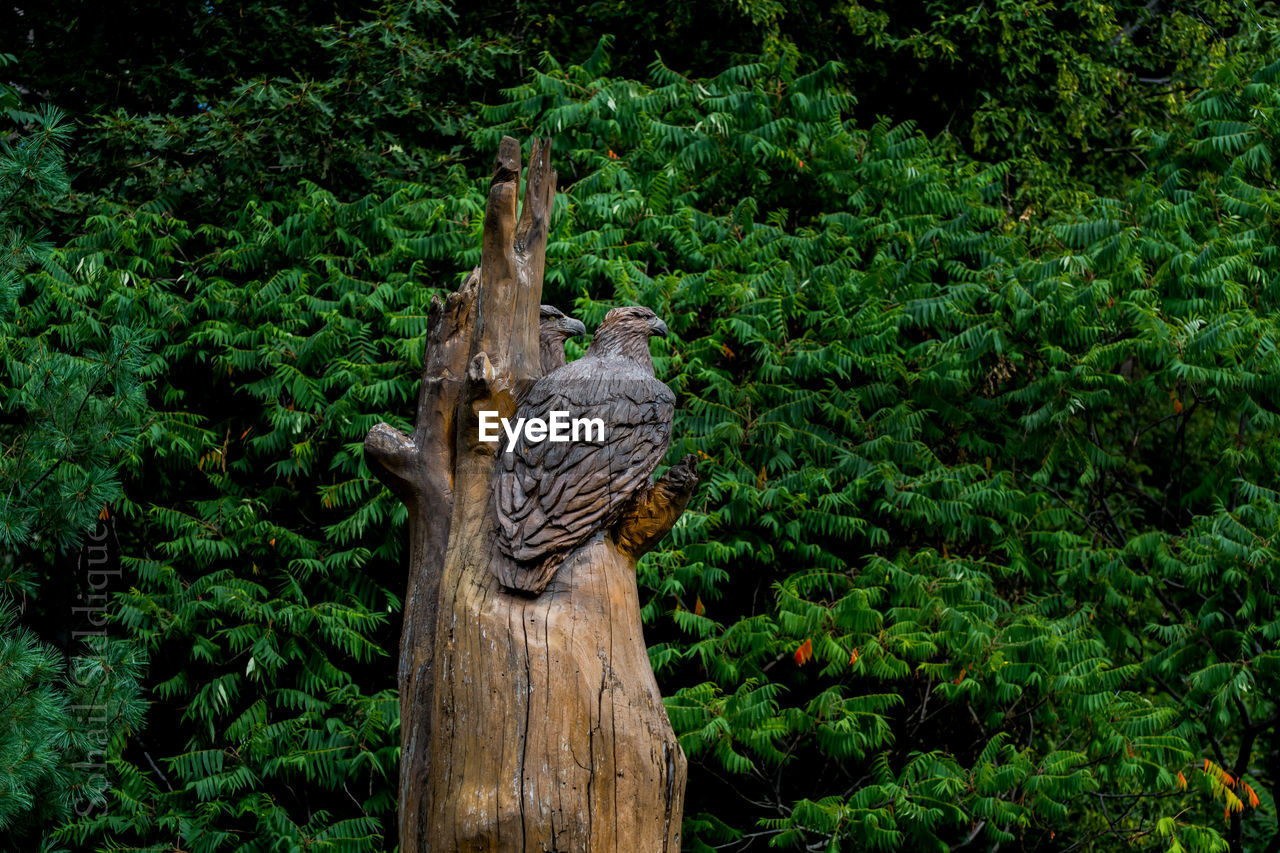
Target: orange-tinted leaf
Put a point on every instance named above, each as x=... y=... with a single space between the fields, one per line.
x=853 y=656
x=102 y=516
x=1182 y=781
x=698 y=607
x=804 y=652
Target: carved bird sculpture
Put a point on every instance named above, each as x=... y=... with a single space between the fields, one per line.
x=550 y=497
x=554 y=328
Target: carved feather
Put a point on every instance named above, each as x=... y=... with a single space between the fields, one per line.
x=549 y=497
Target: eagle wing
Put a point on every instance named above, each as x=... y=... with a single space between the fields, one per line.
x=550 y=496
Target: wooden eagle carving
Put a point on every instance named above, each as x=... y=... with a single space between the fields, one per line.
x=550 y=497
x=554 y=328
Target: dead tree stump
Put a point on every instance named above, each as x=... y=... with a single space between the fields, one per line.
x=529 y=722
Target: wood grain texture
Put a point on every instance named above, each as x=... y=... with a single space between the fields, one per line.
x=529 y=723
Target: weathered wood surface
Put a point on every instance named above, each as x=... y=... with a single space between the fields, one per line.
x=529 y=722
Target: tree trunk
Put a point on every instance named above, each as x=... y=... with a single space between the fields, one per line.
x=528 y=723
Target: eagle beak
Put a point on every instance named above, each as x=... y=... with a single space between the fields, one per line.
x=573 y=328
x=659 y=328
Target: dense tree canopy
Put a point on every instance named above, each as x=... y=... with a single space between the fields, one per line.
x=975 y=314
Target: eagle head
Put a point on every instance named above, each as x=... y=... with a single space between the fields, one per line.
x=553 y=328
x=554 y=323
x=626 y=332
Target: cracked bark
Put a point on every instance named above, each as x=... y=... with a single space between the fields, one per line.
x=527 y=724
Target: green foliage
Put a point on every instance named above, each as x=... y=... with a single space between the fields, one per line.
x=1055 y=89
x=32 y=174
x=279 y=323
x=256 y=595
x=377 y=101
x=59 y=729
x=70 y=390
x=70 y=401
x=984 y=547
x=962 y=459
x=1058 y=88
